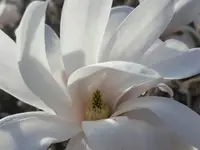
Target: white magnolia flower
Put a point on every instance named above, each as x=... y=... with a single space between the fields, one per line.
x=87 y=85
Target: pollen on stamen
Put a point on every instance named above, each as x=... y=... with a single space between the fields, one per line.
x=96 y=108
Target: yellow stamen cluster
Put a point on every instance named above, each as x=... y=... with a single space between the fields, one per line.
x=96 y=109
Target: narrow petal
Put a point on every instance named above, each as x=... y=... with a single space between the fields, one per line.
x=10 y=78
x=117 y=16
x=121 y=133
x=177 y=117
x=54 y=56
x=33 y=64
x=83 y=24
x=78 y=142
x=34 y=131
x=52 y=45
x=113 y=79
x=181 y=66
x=140 y=30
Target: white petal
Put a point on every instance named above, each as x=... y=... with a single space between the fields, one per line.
x=34 y=131
x=83 y=25
x=188 y=35
x=179 y=118
x=34 y=65
x=54 y=56
x=185 y=12
x=10 y=78
x=165 y=88
x=186 y=38
x=176 y=44
x=181 y=66
x=140 y=30
x=137 y=90
x=113 y=79
x=52 y=43
x=151 y=118
x=157 y=43
x=124 y=134
x=78 y=142
x=162 y=52
x=117 y=16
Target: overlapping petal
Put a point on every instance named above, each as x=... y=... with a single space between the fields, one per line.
x=10 y=77
x=117 y=16
x=82 y=31
x=33 y=62
x=54 y=56
x=113 y=79
x=121 y=133
x=185 y=12
x=180 y=66
x=177 y=117
x=135 y=35
x=35 y=130
x=53 y=50
x=176 y=44
x=78 y=142
x=162 y=51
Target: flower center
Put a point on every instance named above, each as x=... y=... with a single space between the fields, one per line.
x=96 y=108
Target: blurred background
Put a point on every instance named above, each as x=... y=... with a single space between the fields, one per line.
x=11 y=12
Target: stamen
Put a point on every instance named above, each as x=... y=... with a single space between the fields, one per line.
x=96 y=109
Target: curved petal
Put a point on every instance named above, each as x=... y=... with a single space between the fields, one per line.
x=176 y=44
x=151 y=118
x=188 y=36
x=121 y=133
x=52 y=45
x=157 y=43
x=162 y=52
x=185 y=12
x=137 y=90
x=33 y=64
x=165 y=88
x=117 y=16
x=10 y=77
x=185 y=38
x=179 y=118
x=111 y=78
x=135 y=35
x=78 y=142
x=181 y=66
x=83 y=24
x=35 y=130
x=54 y=56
